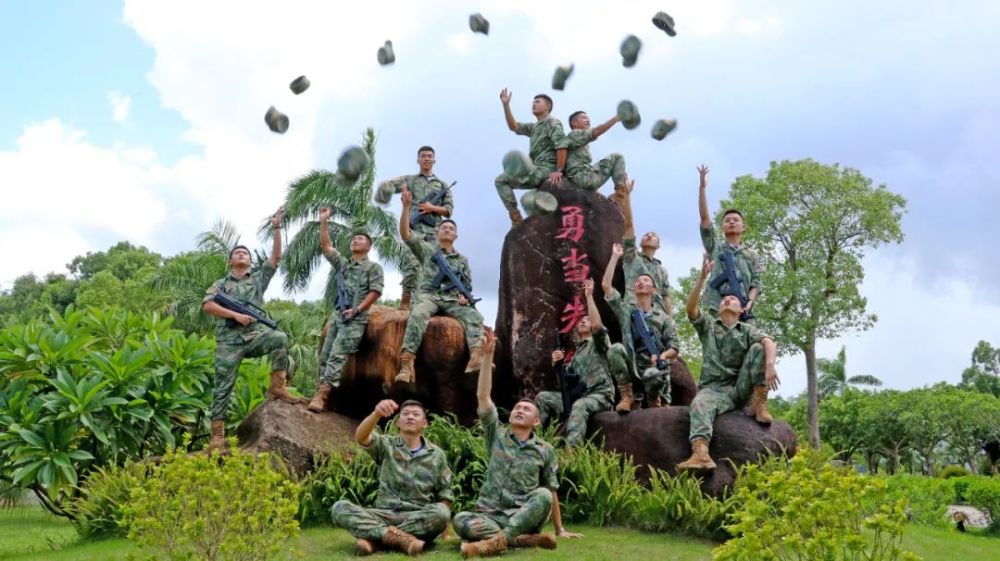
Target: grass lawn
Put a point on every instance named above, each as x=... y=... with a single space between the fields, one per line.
x=30 y=534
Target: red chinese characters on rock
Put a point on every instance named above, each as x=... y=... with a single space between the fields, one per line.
x=572 y=224
x=575 y=265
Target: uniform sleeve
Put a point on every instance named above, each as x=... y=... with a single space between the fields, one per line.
x=708 y=240
x=443 y=492
x=556 y=135
x=550 y=470
x=387 y=188
x=701 y=324
x=629 y=255
x=756 y=335
x=263 y=277
x=377 y=447
x=211 y=291
x=756 y=268
x=601 y=340
x=336 y=259
x=525 y=129
x=376 y=278
x=669 y=334
x=491 y=427
x=449 y=201
x=467 y=274
x=578 y=138
x=664 y=287
x=419 y=247
x=617 y=304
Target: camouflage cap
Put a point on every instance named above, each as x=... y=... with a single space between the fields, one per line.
x=662 y=128
x=629 y=114
x=630 y=50
x=383 y=194
x=560 y=76
x=538 y=203
x=479 y=24
x=663 y=21
x=516 y=164
x=299 y=85
x=385 y=54
x=276 y=120
x=351 y=163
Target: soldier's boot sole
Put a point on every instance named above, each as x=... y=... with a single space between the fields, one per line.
x=318 y=402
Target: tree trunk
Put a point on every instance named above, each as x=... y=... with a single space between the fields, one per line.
x=812 y=390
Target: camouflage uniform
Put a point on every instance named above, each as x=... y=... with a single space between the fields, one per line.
x=434 y=299
x=732 y=364
x=234 y=343
x=422 y=187
x=654 y=381
x=578 y=163
x=546 y=137
x=590 y=363
x=636 y=263
x=412 y=486
x=360 y=278
x=516 y=496
x=747 y=264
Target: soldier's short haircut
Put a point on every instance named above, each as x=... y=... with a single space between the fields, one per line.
x=531 y=401
x=365 y=234
x=413 y=403
x=240 y=246
x=546 y=98
x=574 y=115
x=423 y=149
x=650 y=277
x=733 y=211
x=448 y=220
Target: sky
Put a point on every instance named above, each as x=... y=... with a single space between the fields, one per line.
x=143 y=121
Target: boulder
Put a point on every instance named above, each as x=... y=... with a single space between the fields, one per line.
x=659 y=438
x=296 y=434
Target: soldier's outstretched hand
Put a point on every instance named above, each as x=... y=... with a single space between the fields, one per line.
x=629 y=183
x=564 y=533
x=558 y=355
x=324 y=214
x=702 y=176
x=617 y=250
x=407 y=196
x=276 y=218
x=489 y=340
x=505 y=96
x=588 y=287
x=706 y=266
x=386 y=408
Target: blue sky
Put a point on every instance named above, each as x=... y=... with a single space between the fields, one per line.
x=143 y=121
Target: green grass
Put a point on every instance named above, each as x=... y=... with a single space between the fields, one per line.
x=31 y=535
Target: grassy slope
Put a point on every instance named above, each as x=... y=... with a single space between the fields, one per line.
x=31 y=535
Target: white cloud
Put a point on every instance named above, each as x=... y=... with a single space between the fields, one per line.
x=120 y=106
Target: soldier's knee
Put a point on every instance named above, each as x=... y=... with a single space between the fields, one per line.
x=280 y=338
x=440 y=514
x=340 y=508
x=501 y=181
x=541 y=496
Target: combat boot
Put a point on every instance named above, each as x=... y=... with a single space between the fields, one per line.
x=699 y=460
x=544 y=541
x=277 y=389
x=758 y=406
x=625 y=404
x=406 y=374
x=218 y=440
x=656 y=402
x=398 y=539
x=318 y=403
x=405 y=301
x=475 y=359
x=485 y=548
x=364 y=547
x=515 y=217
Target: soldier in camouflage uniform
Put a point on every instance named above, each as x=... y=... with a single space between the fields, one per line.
x=644 y=261
x=436 y=295
x=237 y=336
x=655 y=381
x=748 y=266
x=579 y=168
x=520 y=490
x=414 y=495
x=423 y=185
x=592 y=362
x=547 y=151
x=363 y=284
x=737 y=367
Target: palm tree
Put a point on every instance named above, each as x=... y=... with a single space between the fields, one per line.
x=351 y=210
x=833 y=378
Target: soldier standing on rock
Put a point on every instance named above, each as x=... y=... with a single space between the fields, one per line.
x=547 y=151
x=579 y=169
x=437 y=293
x=653 y=371
x=643 y=262
x=362 y=285
x=238 y=336
x=737 y=367
x=434 y=203
x=521 y=487
x=592 y=364
x=414 y=495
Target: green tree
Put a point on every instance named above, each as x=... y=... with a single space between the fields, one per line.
x=984 y=373
x=123 y=260
x=30 y=297
x=812 y=224
x=833 y=378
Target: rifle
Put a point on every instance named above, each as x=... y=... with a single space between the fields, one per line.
x=245 y=308
x=649 y=341
x=734 y=283
x=569 y=382
x=344 y=300
x=436 y=198
x=447 y=278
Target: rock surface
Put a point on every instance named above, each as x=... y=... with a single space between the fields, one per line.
x=659 y=438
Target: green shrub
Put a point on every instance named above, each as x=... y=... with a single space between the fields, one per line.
x=984 y=494
x=676 y=504
x=808 y=509
x=236 y=506
x=597 y=487
x=99 y=511
x=927 y=497
x=953 y=471
x=352 y=477
x=961 y=486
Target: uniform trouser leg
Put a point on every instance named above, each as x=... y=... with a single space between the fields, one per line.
x=593 y=177
x=228 y=357
x=345 y=342
x=420 y=314
x=470 y=319
x=751 y=374
x=619 y=364
x=324 y=353
x=532 y=515
x=476 y=526
x=372 y=523
x=712 y=401
x=579 y=415
x=411 y=273
x=550 y=405
x=506 y=184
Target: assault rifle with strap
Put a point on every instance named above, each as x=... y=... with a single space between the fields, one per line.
x=435 y=198
x=733 y=281
x=648 y=341
x=245 y=308
x=344 y=300
x=570 y=385
x=448 y=279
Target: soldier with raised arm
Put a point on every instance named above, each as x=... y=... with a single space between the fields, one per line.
x=579 y=167
x=643 y=261
x=362 y=284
